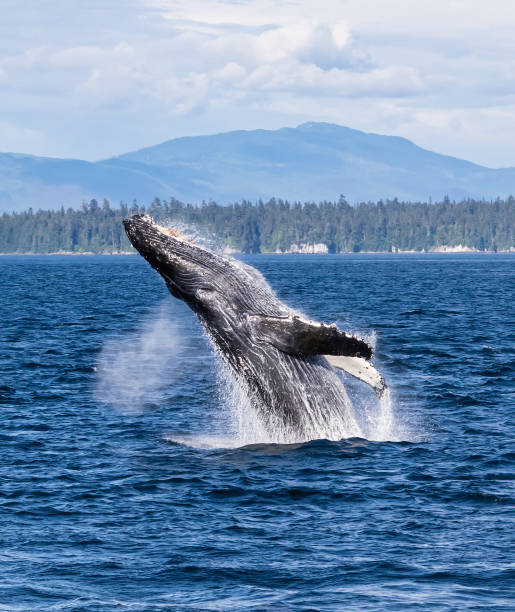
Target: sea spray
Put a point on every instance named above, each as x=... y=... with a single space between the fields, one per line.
x=244 y=425
x=235 y=423
x=136 y=369
x=380 y=425
x=238 y=422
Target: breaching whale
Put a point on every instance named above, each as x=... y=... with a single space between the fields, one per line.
x=283 y=362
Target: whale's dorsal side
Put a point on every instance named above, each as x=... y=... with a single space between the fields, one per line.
x=297 y=336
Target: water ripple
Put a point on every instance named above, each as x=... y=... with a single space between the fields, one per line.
x=137 y=493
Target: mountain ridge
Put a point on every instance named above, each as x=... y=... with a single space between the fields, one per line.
x=313 y=161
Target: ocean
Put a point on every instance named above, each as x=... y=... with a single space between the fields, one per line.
x=134 y=478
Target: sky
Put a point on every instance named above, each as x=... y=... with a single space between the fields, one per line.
x=94 y=79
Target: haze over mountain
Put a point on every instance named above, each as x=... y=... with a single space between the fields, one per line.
x=313 y=161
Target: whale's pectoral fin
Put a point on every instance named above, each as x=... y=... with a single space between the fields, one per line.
x=361 y=369
x=297 y=336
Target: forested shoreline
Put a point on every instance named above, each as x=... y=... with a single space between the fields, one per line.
x=275 y=226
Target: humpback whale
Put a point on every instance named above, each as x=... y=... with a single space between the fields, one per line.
x=284 y=362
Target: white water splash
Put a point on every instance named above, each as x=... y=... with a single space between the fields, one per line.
x=244 y=424
x=381 y=423
x=192 y=233
x=383 y=419
x=136 y=369
x=238 y=423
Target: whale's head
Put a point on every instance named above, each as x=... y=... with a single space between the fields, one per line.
x=209 y=283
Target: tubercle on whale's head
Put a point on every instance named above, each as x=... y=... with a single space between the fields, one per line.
x=189 y=270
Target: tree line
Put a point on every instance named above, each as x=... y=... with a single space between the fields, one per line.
x=273 y=226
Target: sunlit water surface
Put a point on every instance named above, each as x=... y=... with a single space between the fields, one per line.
x=135 y=476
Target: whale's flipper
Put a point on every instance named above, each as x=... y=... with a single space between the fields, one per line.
x=360 y=369
x=296 y=336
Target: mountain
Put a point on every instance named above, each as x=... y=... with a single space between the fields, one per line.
x=313 y=161
x=45 y=182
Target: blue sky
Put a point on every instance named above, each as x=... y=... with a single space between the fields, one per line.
x=97 y=78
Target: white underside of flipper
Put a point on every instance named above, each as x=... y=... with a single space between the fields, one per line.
x=361 y=369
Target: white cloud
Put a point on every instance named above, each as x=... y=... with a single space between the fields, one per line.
x=156 y=69
x=15 y=138
x=192 y=69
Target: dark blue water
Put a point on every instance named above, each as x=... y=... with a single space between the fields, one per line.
x=102 y=372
